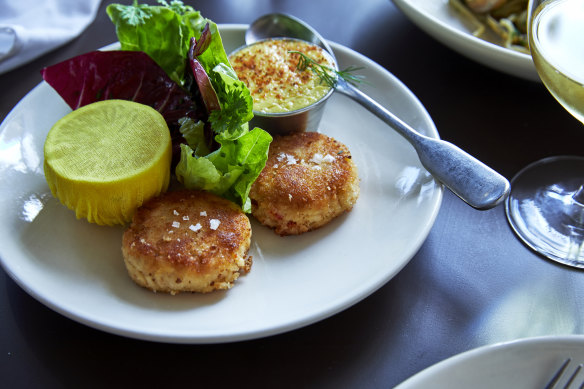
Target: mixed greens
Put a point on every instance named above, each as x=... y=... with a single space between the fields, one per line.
x=173 y=59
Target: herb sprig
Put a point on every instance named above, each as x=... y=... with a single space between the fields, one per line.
x=327 y=74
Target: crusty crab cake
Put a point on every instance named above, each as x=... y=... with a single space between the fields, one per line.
x=187 y=241
x=309 y=179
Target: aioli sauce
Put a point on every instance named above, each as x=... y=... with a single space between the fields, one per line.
x=270 y=72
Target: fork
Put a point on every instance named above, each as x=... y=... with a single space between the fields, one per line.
x=571 y=380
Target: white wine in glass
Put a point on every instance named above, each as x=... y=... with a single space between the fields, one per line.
x=546 y=205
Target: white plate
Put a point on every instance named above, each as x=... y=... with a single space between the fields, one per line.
x=438 y=19
x=522 y=364
x=77 y=269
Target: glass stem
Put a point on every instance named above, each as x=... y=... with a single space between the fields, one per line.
x=576 y=214
x=577 y=206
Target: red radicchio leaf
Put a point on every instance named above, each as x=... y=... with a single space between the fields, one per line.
x=208 y=94
x=125 y=75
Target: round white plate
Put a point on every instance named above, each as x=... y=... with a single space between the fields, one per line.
x=438 y=19
x=522 y=364
x=77 y=269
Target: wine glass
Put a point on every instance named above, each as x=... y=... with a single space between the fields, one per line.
x=546 y=204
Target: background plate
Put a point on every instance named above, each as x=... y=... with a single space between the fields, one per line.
x=437 y=18
x=522 y=364
x=77 y=269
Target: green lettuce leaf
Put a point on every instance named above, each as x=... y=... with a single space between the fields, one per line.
x=161 y=31
x=229 y=171
x=194 y=134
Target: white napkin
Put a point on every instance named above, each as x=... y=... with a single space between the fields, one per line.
x=31 y=28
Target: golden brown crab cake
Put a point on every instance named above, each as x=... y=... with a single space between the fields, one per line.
x=309 y=179
x=187 y=241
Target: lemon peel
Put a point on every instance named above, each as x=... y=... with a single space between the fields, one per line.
x=105 y=159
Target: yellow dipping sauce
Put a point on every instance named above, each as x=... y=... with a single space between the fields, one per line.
x=270 y=72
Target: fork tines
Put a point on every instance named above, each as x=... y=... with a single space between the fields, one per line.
x=559 y=376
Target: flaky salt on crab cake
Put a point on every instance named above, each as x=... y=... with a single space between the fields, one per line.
x=187 y=241
x=309 y=179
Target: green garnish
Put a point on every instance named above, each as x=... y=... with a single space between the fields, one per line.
x=327 y=74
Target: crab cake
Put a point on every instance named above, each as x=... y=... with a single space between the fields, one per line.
x=309 y=179
x=187 y=241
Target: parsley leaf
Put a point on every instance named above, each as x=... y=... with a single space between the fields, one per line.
x=136 y=14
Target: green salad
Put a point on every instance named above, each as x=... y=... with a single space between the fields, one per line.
x=231 y=163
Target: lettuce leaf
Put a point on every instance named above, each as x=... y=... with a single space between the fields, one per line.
x=229 y=171
x=194 y=133
x=161 y=31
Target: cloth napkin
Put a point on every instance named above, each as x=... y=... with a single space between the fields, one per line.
x=31 y=28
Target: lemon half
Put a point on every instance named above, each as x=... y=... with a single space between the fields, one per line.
x=105 y=159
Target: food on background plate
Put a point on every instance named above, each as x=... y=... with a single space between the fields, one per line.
x=187 y=241
x=269 y=68
x=506 y=18
x=105 y=159
x=309 y=179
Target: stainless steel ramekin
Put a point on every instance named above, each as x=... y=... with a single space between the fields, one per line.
x=300 y=120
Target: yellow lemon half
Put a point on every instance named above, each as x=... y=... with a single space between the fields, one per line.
x=105 y=159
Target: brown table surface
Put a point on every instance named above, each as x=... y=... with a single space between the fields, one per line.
x=472 y=283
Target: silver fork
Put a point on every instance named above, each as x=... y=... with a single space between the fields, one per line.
x=571 y=379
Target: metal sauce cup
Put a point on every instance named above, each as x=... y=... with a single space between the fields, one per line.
x=299 y=120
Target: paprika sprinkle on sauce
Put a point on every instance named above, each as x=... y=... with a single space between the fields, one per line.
x=269 y=70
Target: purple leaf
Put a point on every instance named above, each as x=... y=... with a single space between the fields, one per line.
x=208 y=94
x=125 y=75
x=204 y=41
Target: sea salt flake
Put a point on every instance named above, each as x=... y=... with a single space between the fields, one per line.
x=316 y=158
x=328 y=158
x=175 y=212
x=185 y=218
x=195 y=227
x=214 y=223
x=203 y=213
x=176 y=224
x=290 y=160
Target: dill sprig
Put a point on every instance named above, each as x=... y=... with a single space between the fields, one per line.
x=327 y=74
